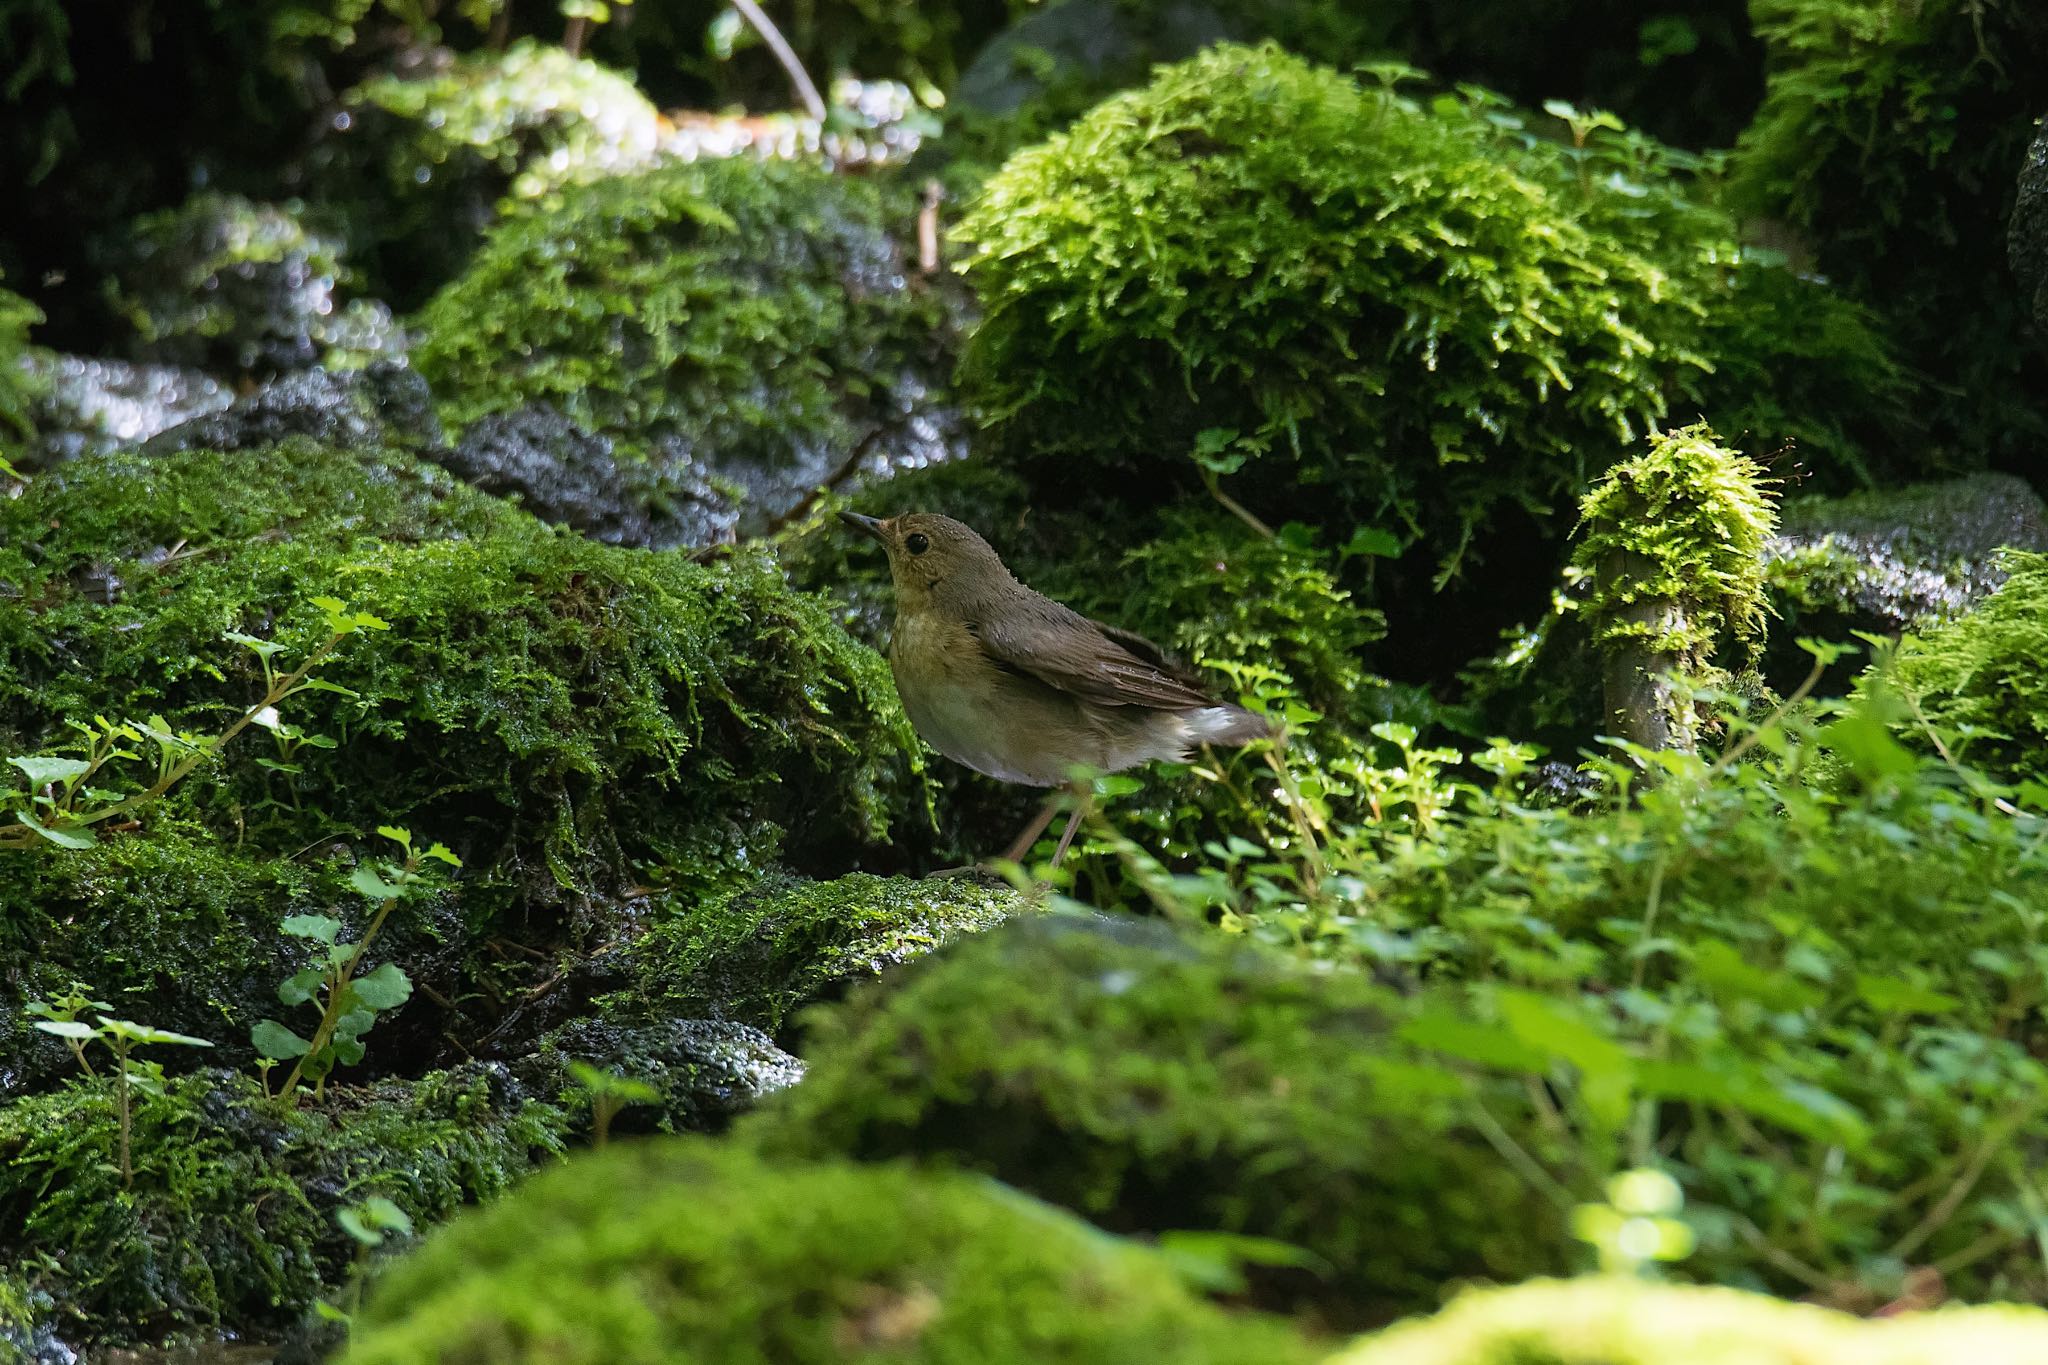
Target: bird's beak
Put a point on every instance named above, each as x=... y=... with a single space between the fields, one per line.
x=874 y=526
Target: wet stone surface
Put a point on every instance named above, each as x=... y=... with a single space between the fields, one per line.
x=90 y=405
x=384 y=404
x=1903 y=557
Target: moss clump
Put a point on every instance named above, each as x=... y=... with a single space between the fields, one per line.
x=753 y=318
x=1982 y=680
x=1890 y=136
x=1629 y=1322
x=238 y=287
x=758 y=955
x=686 y=1249
x=18 y=384
x=1383 y=312
x=543 y=704
x=1674 y=543
x=1154 y=1083
x=230 y=1220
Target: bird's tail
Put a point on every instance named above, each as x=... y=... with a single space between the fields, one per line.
x=1229 y=725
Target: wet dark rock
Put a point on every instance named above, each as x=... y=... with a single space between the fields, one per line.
x=707 y=1071
x=234 y=286
x=1903 y=557
x=568 y=476
x=1087 y=40
x=385 y=404
x=2028 y=242
x=86 y=405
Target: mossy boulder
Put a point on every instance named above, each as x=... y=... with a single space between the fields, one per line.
x=1154 y=1082
x=758 y=955
x=236 y=287
x=90 y=405
x=543 y=704
x=754 y=324
x=421 y=156
x=1982 y=680
x=1630 y=1322
x=1355 y=307
x=230 y=1218
x=676 y=1249
x=1898 y=558
x=19 y=384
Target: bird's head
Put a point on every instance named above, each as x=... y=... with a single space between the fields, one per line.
x=931 y=556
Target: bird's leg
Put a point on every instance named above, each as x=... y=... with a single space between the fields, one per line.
x=1021 y=848
x=1082 y=800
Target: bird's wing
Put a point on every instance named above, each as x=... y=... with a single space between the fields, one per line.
x=1092 y=661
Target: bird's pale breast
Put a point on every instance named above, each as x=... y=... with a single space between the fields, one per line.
x=1009 y=726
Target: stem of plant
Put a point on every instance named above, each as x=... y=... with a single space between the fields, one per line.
x=806 y=90
x=338 y=985
x=120 y=1046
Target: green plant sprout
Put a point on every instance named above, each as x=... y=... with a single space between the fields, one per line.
x=1638 y=1226
x=122 y=1037
x=369 y=1224
x=608 y=1095
x=62 y=806
x=65 y=1009
x=348 y=1004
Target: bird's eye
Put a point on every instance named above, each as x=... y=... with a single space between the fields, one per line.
x=917 y=542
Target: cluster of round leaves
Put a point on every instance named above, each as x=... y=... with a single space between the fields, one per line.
x=1394 y=310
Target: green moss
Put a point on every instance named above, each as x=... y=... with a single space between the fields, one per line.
x=1366 y=308
x=1890 y=137
x=235 y=286
x=1981 y=680
x=758 y=955
x=671 y=1249
x=1155 y=1083
x=230 y=1220
x=1674 y=543
x=18 y=385
x=1628 y=1322
x=539 y=702
x=753 y=316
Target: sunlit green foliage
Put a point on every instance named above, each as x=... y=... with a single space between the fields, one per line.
x=17 y=386
x=1376 y=309
x=230 y=1217
x=1890 y=137
x=1982 y=680
x=1616 y=1321
x=680 y=1249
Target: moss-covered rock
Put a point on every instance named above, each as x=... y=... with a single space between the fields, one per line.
x=1889 y=139
x=753 y=323
x=2028 y=241
x=237 y=287
x=1156 y=1083
x=230 y=1218
x=758 y=955
x=1417 y=317
x=1896 y=558
x=684 y=1249
x=1982 y=679
x=1629 y=1322
x=554 y=709
x=90 y=405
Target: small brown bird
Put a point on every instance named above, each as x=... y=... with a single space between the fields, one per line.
x=1014 y=685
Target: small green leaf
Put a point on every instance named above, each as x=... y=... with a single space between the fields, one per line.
x=301 y=986
x=43 y=771
x=386 y=988
x=401 y=837
x=273 y=1039
x=67 y=1028
x=80 y=837
x=144 y=1036
x=319 y=928
x=366 y=880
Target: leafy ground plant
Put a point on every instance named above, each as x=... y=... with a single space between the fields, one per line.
x=121 y=1037
x=348 y=1004
x=62 y=805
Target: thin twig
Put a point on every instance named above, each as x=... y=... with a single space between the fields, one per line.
x=784 y=53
